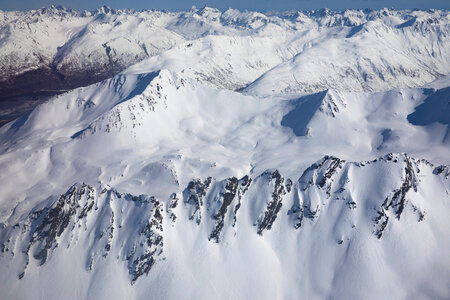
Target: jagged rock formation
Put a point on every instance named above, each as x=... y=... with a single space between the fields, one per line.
x=96 y=214
x=100 y=44
x=397 y=199
x=132 y=227
x=230 y=198
x=329 y=180
x=319 y=175
x=171 y=206
x=202 y=175
x=151 y=237
x=194 y=194
x=275 y=204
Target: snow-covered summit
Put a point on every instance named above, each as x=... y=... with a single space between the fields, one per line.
x=57 y=48
x=227 y=155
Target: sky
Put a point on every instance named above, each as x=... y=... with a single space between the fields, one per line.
x=258 y=5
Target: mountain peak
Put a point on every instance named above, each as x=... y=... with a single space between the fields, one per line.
x=194 y=154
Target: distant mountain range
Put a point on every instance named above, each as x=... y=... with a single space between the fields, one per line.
x=56 y=49
x=226 y=155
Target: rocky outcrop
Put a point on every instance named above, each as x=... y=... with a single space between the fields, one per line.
x=397 y=199
x=173 y=203
x=151 y=243
x=273 y=207
x=194 y=194
x=99 y=215
x=318 y=176
x=232 y=195
x=328 y=181
x=113 y=225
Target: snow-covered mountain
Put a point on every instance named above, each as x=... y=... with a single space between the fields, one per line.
x=248 y=156
x=317 y=236
x=53 y=49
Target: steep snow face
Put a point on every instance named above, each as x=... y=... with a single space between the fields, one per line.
x=372 y=123
x=131 y=129
x=57 y=48
x=313 y=236
x=373 y=56
x=329 y=50
x=221 y=61
x=71 y=49
x=146 y=180
x=245 y=156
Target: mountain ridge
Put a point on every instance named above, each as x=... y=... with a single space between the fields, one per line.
x=203 y=204
x=227 y=155
x=89 y=47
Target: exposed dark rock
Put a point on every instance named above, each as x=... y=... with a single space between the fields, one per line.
x=233 y=191
x=351 y=203
x=419 y=212
x=244 y=184
x=51 y=223
x=288 y=185
x=445 y=170
x=300 y=212
x=110 y=232
x=397 y=200
x=334 y=164
x=381 y=221
x=173 y=203
x=320 y=175
x=58 y=224
x=229 y=195
x=303 y=211
x=312 y=174
x=274 y=206
x=194 y=194
x=43 y=230
x=89 y=203
x=152 y=242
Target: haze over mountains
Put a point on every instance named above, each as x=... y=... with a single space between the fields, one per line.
x=230 y=154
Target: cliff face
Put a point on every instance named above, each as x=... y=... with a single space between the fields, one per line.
x=279 y=156
x=332 y=206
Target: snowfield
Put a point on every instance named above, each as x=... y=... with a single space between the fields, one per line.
x=55 y=49
x=229 y=155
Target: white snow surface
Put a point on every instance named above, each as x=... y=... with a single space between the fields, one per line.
x=292 y=52
x=295 y=155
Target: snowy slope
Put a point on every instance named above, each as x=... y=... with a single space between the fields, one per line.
x=177 y=182
x=373 y=56
x=228 y=164
x=316 y=237
x=373 y=50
